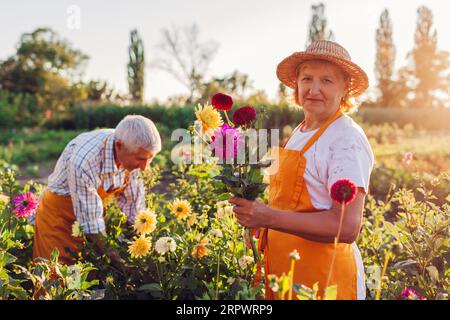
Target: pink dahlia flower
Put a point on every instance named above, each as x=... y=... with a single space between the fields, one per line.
x=25 y=205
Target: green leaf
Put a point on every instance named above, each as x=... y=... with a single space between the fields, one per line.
x=434 y=273
x=6 y=258
x=150 y=287
x=154 y=289
x=54 y=255
x=223 y=197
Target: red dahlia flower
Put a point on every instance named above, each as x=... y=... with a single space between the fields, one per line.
x=244 y=116
x=222 y=101
x=343 y=191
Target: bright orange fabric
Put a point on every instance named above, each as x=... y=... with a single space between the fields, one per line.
x=288 y=191
x=54 y=220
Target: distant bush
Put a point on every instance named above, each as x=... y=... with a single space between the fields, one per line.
x=278 y=116
x=18 y=110
x=423 y=118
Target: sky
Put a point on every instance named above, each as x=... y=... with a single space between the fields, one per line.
x=253 y=35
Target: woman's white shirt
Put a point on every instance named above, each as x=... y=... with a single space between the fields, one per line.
x=342 y=151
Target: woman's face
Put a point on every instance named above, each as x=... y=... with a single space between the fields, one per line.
x=321 y=86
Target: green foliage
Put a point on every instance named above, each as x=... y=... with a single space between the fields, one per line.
x=418 y=238
x=18 y=109
x=54 y=281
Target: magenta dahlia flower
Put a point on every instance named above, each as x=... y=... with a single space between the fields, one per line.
x=25 y=204
x=220 y=142
x=407 y=158
x=411 y=294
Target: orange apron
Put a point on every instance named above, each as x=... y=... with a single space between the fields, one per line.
x=53 y=226
x=288 y=191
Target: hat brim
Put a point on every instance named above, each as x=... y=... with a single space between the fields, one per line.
x=287 y=70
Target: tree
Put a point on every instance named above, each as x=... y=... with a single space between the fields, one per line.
x=136 y=66
x=98 y=91
x=186 y=58
x=235 y=84
x=318 y=25
x=282 y=94
x=428 y=70
x=44 y=66
x=385 y=59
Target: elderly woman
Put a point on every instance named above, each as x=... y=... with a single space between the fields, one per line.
x=327 y=146
x=93 y=167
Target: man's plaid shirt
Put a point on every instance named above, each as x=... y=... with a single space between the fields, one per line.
x=79 y=173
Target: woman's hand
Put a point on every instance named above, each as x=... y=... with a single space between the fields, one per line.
x=251 y=214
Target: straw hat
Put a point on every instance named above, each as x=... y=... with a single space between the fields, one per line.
x=329 y=51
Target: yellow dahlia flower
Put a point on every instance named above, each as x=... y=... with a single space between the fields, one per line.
x=145 y=222
x=181 y=209
x=191 y=220
x=139 y=247
x=209 y=118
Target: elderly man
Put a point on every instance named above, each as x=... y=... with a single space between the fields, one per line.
x=94 y=166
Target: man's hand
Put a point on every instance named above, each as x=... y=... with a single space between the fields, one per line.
x=102 y=248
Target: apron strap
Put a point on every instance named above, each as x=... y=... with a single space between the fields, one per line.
x=319 y=132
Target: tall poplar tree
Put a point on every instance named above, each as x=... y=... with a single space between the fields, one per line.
x=136 y=67
x=385 y=60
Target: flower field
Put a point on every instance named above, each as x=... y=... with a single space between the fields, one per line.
x=188 y=244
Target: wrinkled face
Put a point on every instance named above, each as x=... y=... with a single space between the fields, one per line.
x=321 y=86
x=132 y=160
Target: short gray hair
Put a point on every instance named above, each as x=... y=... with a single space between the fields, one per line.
x=136 y=132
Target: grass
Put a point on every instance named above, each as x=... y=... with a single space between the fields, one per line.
x=24 y=147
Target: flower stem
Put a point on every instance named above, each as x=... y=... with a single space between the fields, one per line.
x=336 y=240
x=291 y=279
x=254 y=247
x=218 y=274
x=201 y=136
x=386 y=259
x=231 y=124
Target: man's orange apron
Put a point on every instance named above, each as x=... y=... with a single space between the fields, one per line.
x=288 y=191
x=53 y=226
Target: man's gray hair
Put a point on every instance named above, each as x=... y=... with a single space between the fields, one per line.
x=136 y=132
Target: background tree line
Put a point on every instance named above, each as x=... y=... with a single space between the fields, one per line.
x=42 y=80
